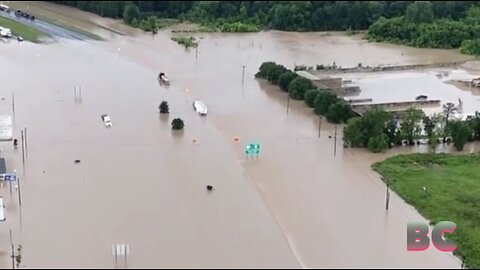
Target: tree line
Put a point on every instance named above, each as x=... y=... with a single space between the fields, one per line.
x=433 y=24
x=378 y=130
x=279 y=15
x=323 y=101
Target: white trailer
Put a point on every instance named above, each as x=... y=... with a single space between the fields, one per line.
x=200 y=107
x=4 y=8
x=5 y=32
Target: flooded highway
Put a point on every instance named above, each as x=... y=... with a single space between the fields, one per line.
x=297 y=206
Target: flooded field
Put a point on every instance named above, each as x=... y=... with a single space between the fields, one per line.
x=139 y=183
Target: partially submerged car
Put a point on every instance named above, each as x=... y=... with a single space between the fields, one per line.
x=163 y=79
x=200 y=107
x=421 y=98
x=106 y=120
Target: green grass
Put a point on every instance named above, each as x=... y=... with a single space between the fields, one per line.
x=165 y=22
x=71 y=28
x=27 y=32
x=453 y=193
x=186 y=41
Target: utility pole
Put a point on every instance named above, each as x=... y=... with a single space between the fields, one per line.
x=26 y=148
x=23 y=148
x=13 y=250
x=13 y=106
x=319 y=126
x=335 y=143
x=288 y=102
x=196 y=52
x=388 y=194
x=19 y=193
x=243 y=73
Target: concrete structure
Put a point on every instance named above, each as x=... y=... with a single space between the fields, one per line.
x=332 y=84
x=360 y=109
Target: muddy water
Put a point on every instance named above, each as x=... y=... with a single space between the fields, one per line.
x=298 y=205
x=406 y=86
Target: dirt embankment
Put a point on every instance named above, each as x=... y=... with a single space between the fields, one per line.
x=471 y=66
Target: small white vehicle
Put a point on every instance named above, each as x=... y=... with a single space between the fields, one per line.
x=106 y=120
x=4 y=8
x=163 y=78
x=200 y=107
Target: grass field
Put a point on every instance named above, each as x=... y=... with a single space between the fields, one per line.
x=18 y=29
x=453 y=193
x=71 y=28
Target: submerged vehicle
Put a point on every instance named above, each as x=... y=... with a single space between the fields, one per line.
x=162 y=78
x=421 y=97
x=200 y=107
x=106 y=120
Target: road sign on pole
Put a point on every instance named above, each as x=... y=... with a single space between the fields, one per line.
x=252 y=149
x=8 y=177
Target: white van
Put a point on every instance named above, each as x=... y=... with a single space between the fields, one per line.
x=200 y=107
x=106 y=120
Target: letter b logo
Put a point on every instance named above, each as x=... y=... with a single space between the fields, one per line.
x=417 y=236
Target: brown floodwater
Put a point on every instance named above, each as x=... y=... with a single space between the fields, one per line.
x=139 y=183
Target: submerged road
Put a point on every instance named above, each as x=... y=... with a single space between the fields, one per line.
x=43 y=26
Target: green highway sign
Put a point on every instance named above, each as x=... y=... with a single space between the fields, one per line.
x=252 y=149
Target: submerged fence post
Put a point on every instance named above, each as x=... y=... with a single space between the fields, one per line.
x=243 y=74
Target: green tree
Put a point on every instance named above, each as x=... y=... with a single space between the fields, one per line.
x=323 y=101
x=378 y=143
x=310 y=96
x=410 y=125
x=130 y=12
x=447 y=109
x=285 y=79
x=275 y=74
x=339 y=112
x=351 y=132
x=177 y=124
x=474 y=123
x=393 y=134
x=461 y=132
x=433 y=141
x=428 y=125
x=470 y=46
x=420 y=12
x=265 y=69
x=164 y=108
x=359 y=130
x=298 y=87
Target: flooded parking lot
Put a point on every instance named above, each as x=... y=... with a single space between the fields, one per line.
x=407 y=85
x=139 y=183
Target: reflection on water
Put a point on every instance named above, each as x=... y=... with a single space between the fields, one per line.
x=296 y=205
